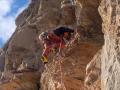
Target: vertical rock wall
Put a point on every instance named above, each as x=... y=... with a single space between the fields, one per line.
x=110 y=12
x=73 y=65
x=89 y=16
x=23 y=50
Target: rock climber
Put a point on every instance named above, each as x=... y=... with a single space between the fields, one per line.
x=54 y=39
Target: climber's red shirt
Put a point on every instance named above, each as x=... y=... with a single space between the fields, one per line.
x=53 y=41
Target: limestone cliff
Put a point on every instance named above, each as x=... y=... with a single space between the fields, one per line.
x=110 y=67
x=91 y=63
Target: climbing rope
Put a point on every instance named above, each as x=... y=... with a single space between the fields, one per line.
x=59 y=58
x=61 y=81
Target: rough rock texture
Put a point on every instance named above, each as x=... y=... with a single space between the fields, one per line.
x=22 y=81
x=93 y=72
x=79 y=67
x=2 y=61
x=72 y=69
x=110 y=12
x=71 y=75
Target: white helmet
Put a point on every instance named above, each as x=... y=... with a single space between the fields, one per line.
x=43 y=35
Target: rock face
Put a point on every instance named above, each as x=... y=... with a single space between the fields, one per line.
x=22 y=81
x=70 y=74
x=2 y=61
x=82 y=63
x=93 y=72
x=23 y=51
x=110 y=12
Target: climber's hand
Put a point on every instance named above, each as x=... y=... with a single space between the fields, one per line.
x=44 y=59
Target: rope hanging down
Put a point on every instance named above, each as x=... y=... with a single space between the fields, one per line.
x=59 y=57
